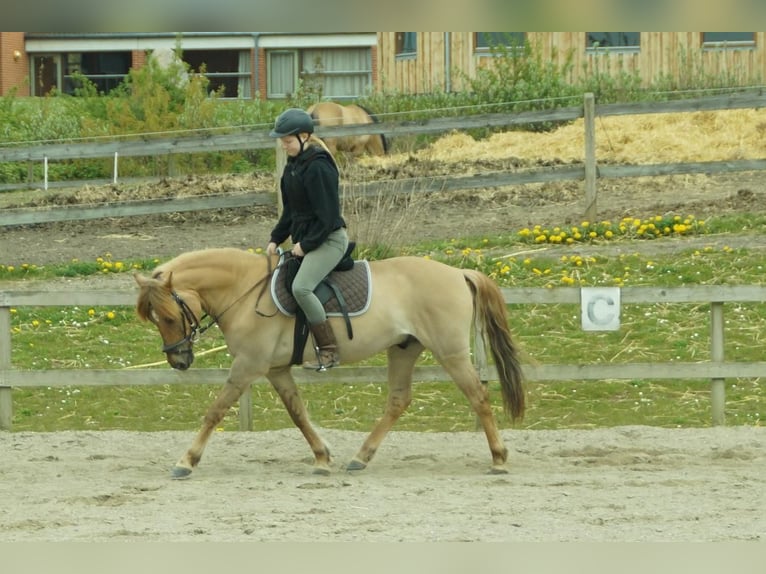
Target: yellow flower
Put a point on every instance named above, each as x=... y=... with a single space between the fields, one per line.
x=91 y=312
x=110 y=315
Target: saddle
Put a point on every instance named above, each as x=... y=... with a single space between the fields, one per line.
x=344 y=292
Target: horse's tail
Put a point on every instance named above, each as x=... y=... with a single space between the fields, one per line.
x=375 y=120
x=492 y=316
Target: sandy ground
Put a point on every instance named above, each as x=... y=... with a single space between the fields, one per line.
x=621 y=484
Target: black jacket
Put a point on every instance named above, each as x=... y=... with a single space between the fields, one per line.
x=310 y=198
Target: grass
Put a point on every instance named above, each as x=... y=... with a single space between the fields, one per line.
x=73 y=337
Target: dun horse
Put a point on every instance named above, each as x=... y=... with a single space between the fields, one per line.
x=415 y=304
x=332 y=114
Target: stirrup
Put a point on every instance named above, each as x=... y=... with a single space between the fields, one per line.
x=319 y=366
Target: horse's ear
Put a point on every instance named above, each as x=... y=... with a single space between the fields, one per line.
x=165 y=278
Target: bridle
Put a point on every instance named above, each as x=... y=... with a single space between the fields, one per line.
x=195 y=328
x=187 y=318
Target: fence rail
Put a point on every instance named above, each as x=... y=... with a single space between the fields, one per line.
x=716 y=370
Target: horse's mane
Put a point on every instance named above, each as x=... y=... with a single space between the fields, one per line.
x=155 y=294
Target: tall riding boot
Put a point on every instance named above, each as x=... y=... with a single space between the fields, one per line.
x=326 y=347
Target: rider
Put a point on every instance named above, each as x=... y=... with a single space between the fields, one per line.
x=311 y=217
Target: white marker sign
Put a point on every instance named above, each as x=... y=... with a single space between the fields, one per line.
x=600 y=308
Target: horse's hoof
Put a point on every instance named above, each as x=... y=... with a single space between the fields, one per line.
x=497 y=469
x=322 y=470
x=180 y=473
x=356 y=464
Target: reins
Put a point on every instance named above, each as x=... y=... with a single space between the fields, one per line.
x=196 y=329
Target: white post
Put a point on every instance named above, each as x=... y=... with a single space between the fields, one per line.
x=114 y=171
x=45 y=173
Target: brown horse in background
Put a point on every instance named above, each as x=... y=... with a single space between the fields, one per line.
x=332 y=114
x=416 y=304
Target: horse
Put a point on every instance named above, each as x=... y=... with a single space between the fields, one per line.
x=414 y=304
x=333 y=114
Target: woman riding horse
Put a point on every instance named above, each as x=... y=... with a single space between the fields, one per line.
x=311 y=216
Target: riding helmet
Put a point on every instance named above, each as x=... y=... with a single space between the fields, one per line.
x=292 y=121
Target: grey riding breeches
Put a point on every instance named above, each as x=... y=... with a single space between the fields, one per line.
x=316 y=265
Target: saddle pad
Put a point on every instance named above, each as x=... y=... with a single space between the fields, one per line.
x=354 y=284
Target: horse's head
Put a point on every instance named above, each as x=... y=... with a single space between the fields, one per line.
x=174 y=313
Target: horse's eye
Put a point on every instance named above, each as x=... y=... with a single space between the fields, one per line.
x=168 y=320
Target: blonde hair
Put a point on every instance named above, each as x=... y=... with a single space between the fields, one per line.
x=317 y=141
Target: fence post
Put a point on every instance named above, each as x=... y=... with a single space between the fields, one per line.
x=114 y=171
x=281 y=161
x=717 y=388
x=246 y=409
x=6 y=400
x=480 y=359
x=246 y=400
x=589 y=115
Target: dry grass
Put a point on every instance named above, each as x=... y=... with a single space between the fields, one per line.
x=649 y=138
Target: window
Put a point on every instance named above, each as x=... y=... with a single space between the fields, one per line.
x=338 y=73
x=225 y=69
x=331 y=73
x=46 y=74
x=728 y=39
x=612 y=40
x=282 y=78
x=488 y=40
x=406 y=43
x=106 y=70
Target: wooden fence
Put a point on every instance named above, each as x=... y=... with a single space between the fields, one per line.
x=589 y=171
x=717 y=369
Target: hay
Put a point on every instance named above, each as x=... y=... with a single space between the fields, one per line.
x=637 y=139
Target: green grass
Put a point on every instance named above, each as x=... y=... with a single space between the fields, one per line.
x=106 y=338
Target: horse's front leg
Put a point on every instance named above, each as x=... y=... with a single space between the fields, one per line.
x=282 y=380
x=241 y=375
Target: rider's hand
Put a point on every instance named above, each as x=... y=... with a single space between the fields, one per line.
x=271 y=248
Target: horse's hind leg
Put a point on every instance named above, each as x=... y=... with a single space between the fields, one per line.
x=464 y=374
x=283 y=382
x=401 y=363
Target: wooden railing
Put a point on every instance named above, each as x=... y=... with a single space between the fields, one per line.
x=717 y=369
